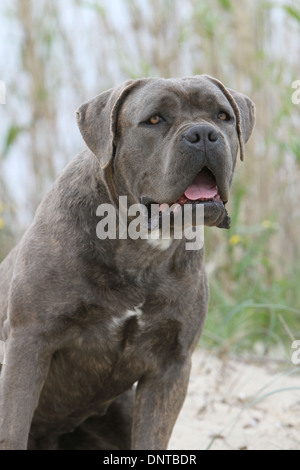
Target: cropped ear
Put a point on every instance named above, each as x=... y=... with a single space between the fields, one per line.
x=97 y=120
x=244 y=109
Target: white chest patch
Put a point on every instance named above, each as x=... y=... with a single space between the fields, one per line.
x=136 y=312
x=161 y=243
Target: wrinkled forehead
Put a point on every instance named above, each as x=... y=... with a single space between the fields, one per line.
x=176 y=94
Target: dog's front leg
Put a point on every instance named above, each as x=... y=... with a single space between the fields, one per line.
x=159 y=399
x=21 y=381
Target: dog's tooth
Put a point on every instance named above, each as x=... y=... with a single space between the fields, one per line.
x=163 y=207
x=176 y=208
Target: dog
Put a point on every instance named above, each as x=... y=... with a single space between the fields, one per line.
x=99 y=334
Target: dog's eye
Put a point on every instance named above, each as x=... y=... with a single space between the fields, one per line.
x=155 y=120
x=223 y=116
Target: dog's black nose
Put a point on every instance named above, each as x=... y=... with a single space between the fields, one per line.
x=200 y=134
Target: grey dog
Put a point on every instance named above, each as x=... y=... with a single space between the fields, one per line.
x=99 y=333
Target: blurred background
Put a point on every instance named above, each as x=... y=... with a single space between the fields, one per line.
x=55 y=55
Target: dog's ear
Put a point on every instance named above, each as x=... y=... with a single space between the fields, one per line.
x=247 y=112
x=244 y=109
x=97 y=120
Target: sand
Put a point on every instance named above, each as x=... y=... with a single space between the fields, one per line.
x=236 y=405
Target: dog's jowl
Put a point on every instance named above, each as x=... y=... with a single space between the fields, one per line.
x=99 y=332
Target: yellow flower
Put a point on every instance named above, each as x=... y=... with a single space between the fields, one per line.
x=267 y=223
x=1 y=223
x=234 y=240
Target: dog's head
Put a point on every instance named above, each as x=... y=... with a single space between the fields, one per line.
x=170 y=140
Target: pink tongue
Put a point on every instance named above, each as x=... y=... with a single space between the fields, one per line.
x=203 y=186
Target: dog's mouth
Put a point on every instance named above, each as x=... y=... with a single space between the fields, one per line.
x=203 y=189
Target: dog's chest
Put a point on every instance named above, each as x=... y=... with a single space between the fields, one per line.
x=104 y=359
x=124 y=338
